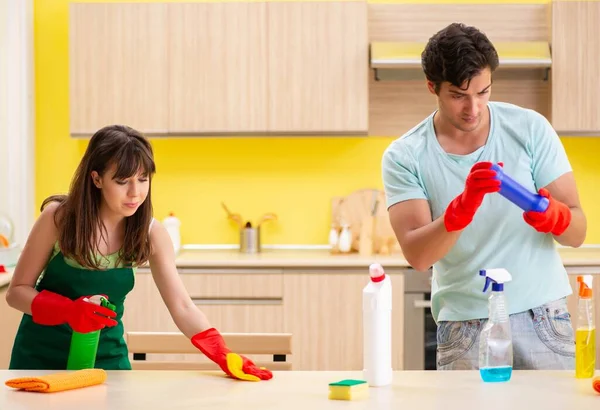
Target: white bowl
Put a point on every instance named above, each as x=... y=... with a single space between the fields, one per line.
x=9 y=256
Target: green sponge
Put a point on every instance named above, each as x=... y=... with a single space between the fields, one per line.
x=348 y=389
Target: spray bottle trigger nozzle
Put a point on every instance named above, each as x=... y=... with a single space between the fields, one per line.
x=497 y=277
x=487 y=283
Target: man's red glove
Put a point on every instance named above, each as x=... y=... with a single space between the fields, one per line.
x=51 y=309
x=211 y=343
x=555 y=219
x=480 y=181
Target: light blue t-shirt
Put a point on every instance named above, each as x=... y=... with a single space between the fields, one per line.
x=416 y=166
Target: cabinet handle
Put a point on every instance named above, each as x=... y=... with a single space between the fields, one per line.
x=423 y=304
x=238 y=301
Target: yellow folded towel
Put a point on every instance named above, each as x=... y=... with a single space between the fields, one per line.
x=55 y=382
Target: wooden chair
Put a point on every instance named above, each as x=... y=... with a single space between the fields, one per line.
x=279 y=345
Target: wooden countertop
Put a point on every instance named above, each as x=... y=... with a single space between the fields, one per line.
x=572 y=258
x=452 y=390
x=584 y=256
x=283 y=258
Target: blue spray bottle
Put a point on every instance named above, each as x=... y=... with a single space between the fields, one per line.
x=495 y=341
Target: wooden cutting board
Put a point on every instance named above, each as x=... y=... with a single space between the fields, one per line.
x=354 y=208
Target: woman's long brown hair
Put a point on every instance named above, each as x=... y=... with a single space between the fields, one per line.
x=77 y=217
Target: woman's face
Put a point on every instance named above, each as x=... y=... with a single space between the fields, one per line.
x=122 y=196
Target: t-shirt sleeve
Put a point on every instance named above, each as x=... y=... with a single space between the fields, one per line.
x=549 y=158
x=400 y=176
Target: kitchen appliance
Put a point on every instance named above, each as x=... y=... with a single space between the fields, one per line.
x=420 y=329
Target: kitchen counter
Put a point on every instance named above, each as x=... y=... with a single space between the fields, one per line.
x=580 y=257
x=580 y=260
x=283 y=258
x=452 y=390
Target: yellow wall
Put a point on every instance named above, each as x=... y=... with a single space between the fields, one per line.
x=294 y=177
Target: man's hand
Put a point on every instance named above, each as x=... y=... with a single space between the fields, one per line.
x=480 y=181
x=555 y=219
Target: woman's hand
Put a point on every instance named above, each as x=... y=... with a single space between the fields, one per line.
x=211 y=343
x=51 y=309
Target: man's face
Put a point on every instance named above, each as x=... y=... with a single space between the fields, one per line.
x=464 y=108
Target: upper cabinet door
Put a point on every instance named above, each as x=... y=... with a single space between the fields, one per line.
x=318 y=67
x=575 y=67
x=218 y=70
x=118 y=66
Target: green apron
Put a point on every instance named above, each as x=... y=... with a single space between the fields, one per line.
x=47 y=347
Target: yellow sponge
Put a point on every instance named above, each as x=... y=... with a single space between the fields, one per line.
x=348 y=390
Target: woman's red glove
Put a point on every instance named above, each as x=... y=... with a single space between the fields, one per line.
x=51 y=309
x=211 y=343
x=555 y=219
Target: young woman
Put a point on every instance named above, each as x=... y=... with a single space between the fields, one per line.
x=89 y=242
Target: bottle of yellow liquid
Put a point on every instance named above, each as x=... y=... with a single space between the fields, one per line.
x=585 y=335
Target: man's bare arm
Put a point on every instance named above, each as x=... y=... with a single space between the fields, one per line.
x=423 y=241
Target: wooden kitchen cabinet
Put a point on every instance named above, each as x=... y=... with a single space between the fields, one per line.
x=217 y=68
x=234 y=300
x=238 y=300
x=575 y=67
x=318 y=67
x=320 y=307
x=118 y=66
x=323 y=312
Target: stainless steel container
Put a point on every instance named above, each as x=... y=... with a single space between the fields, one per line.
x=250 y=240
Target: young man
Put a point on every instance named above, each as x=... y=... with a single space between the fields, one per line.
x=446 y=212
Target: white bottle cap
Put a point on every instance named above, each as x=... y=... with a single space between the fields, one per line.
x=376 y=272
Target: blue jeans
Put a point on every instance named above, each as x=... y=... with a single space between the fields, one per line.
x=543 y=338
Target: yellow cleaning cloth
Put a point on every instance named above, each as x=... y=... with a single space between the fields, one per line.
x=55 y=382
x=235 y=363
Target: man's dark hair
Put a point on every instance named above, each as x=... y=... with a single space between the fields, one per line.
x=456 y=54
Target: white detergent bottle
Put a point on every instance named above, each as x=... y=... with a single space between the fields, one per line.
x=495 y=340
x=377 y=328
x=172 y=224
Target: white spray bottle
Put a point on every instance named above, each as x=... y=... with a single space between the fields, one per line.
x=377 y=328
x=495 y=340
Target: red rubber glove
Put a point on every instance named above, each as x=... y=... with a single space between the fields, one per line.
x=480 y=181
x=555 y=219
x=51 y=309
x=211 y=343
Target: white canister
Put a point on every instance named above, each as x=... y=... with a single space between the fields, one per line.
x=334 y=237
x=345 y=239
x=172 y=224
